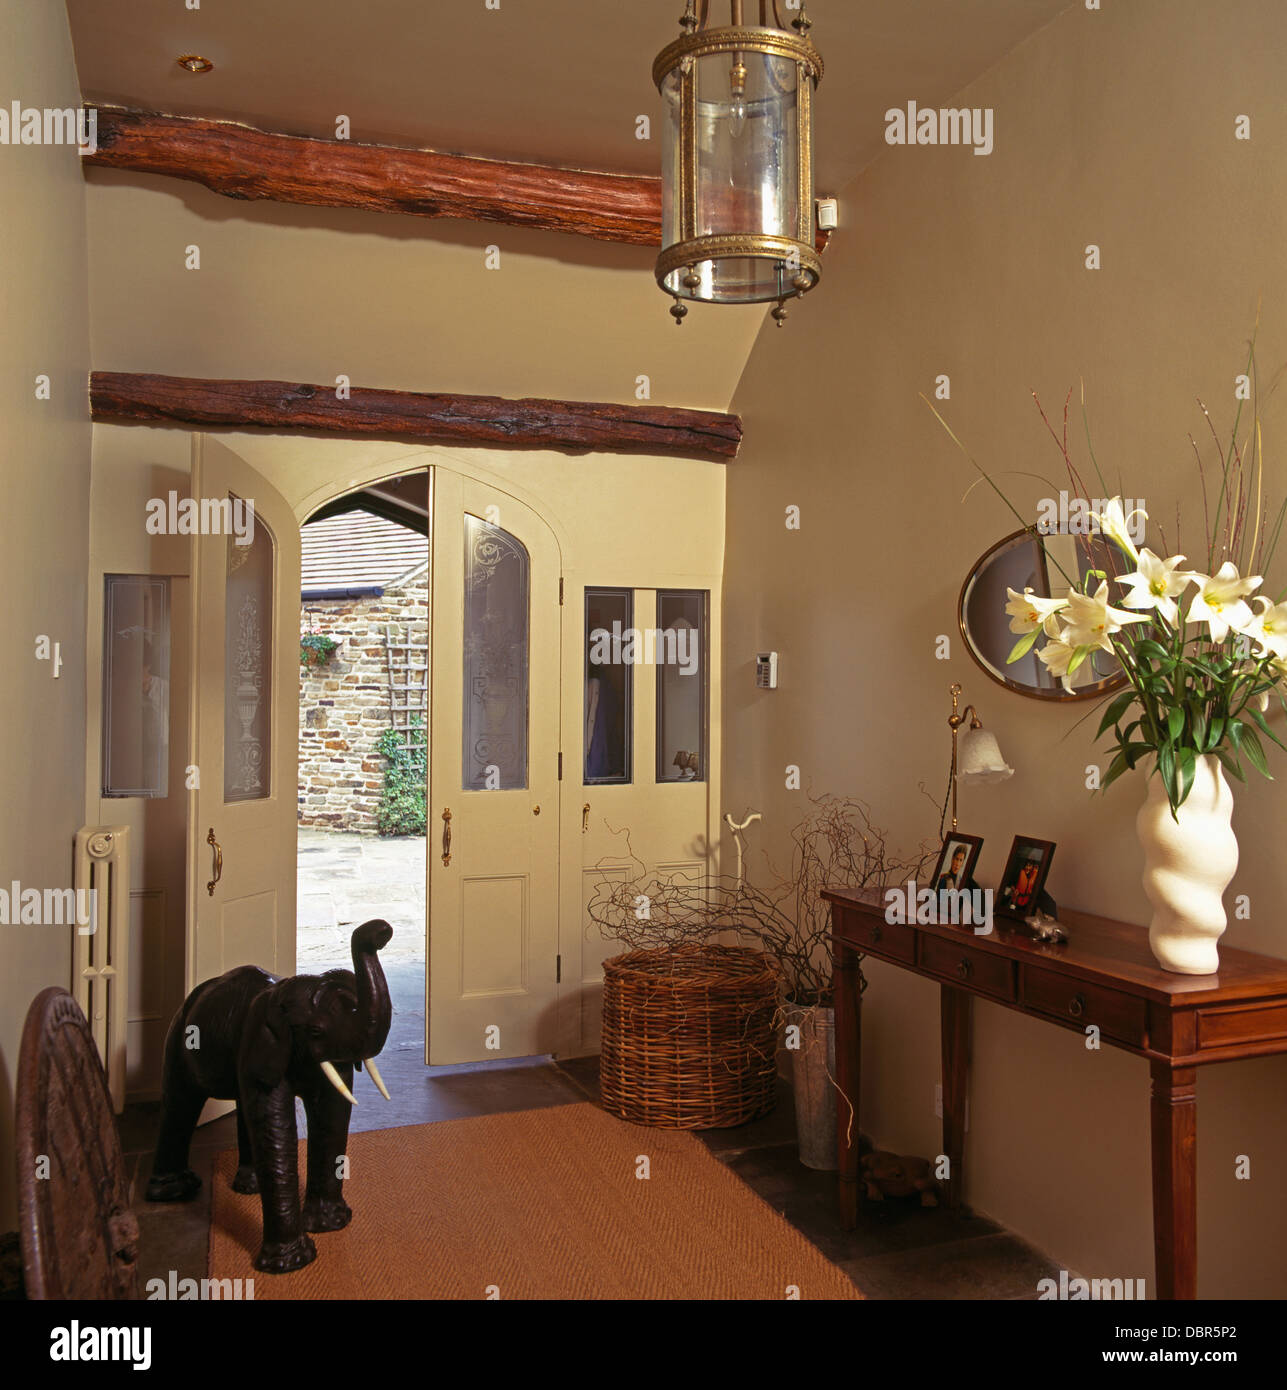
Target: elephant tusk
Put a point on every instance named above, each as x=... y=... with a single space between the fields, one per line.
x=329 y=1072
x=376 y=1077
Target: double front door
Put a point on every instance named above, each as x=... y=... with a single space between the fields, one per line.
x=493 y=782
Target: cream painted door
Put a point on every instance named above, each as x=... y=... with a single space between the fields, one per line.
x=643 y=822
x=244 y=728
x=493 y=818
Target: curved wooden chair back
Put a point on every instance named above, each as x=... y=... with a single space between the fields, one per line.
x=79 y=1237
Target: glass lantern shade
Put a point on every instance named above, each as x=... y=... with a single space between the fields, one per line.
x=738 y=222
x=980 y=758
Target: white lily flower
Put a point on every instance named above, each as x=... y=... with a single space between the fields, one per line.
x=1057 y=656
x=1221 y=601
x=1157 y=583
x=1115 y=523
x=1029 y=611
x=1090 y=621
x=1268 y=629
x=1278 y=668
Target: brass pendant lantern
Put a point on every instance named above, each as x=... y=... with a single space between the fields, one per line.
x=738 y=221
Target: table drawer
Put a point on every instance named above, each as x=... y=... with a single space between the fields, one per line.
x=1122 y=1017
x=869 y=933
x=961 y=964
x=1241 y=1024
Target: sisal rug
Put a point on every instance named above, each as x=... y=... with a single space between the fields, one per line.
x=536 y=1204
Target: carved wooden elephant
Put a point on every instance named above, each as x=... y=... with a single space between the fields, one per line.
x=261 y=1041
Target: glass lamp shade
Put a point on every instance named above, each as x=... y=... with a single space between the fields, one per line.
x=738 y=223
x=979 y=758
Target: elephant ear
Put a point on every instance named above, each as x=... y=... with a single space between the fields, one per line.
x=266 y=1042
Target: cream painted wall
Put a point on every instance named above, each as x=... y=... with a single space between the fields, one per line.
x=44 y=463
x=305 y=294
x=616 y=516
x=1113 y=127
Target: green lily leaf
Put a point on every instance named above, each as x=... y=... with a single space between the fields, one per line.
x=1079 y=655
x=1115 y=711
x=1253 y=751
x=1231 y=765
x=1188 y=764
x=1198 y=723
x=1259 y=720
x=1023 y=646
x=1115 y=770
x=1166 y=766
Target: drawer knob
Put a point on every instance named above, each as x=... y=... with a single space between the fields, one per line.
x=876 y=932
x=1077 y=1006
x=964 y=968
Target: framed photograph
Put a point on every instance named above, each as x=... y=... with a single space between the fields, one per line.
x=956 y=861
x=1024 y=876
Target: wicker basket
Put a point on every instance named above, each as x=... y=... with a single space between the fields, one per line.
x=688 y=1036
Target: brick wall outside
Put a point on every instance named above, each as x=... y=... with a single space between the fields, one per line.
x=344 y=705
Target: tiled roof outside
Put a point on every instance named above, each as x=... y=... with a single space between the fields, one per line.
x=358 y=549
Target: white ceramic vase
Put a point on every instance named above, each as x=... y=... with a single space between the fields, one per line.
x=1188 y=863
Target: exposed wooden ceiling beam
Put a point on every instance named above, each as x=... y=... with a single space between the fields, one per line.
x=487 y=421
x=242 y=162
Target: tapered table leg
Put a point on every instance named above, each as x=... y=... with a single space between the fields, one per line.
x=955 y=1012
x=1174 y=1118
x=847 y=995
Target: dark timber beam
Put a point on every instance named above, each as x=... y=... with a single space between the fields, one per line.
x=486 y=421
x=242 y=162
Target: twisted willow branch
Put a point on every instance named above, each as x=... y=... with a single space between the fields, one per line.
x=835 y=845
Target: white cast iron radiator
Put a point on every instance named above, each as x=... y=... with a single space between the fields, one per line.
x=102 y=880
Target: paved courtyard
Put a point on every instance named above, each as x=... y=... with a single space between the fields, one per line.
x=344 y=880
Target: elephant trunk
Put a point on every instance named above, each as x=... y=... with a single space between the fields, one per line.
x=375 y=1010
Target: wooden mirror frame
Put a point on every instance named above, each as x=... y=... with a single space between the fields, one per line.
x=1093 y=691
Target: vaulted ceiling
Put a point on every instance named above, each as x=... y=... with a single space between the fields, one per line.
x=550 y=81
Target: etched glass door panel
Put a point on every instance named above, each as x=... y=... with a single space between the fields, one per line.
x=682 y=686
x=136 y=685
x=496 y=630
x=494 y=768
x=248 y=657
x=608 y=728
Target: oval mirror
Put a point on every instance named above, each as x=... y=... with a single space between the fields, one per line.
x=1042 y=563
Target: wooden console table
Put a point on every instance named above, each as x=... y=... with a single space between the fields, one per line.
x=1105 y=975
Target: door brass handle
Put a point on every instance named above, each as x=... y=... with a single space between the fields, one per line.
x=1077 y=1005
x=217 y=860
x=446 y=835
x=585 y=818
